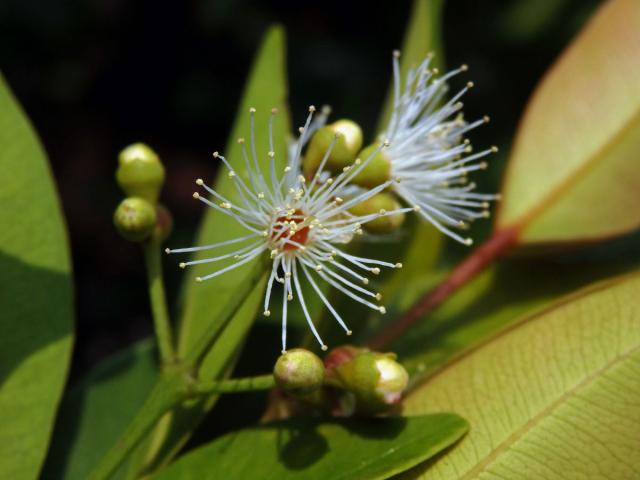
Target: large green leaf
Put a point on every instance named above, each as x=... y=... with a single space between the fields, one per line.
x=574 y=173
x=204 y=302
x=555 y=396
x=420 y=244
x=94 y=414
x=265 y=89
x=368 y=449
x=36 y=296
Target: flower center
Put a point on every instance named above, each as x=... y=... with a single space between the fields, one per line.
x=289 y=227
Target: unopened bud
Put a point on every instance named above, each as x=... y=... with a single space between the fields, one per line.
x=382 y=205
x=299 y=371
x=348 y=142
x=135 y=219
x=376 y=380
x=140 y=172
x=377 y=170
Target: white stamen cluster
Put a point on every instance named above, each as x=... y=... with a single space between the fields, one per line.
x=299 y=223
x=430 y=158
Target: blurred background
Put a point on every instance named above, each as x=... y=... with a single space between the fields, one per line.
x=97 y=75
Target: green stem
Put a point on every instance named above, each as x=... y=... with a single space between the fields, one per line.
x=157 y=298
x=206 y=341
x=236 y=385
x=167 y=392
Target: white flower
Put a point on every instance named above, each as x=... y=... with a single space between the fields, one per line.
x=299 y=224
x=429 y=156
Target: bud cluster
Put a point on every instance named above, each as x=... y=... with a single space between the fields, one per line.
x=140 y=175
x=357 y=380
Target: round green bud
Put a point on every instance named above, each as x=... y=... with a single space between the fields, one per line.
x=376 y=380
x=140 y=172
x=299 y=371
x=348 y=142
x=376 y=171
x=135 y=219
x=380 y=204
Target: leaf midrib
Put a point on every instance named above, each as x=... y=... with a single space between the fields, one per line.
x=580 y=172
x=544 y=413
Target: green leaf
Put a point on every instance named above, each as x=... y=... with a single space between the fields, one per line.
x=423 y=243
x=266 y=88
x=374 y=448
x=204 y=302
x=419 y=245
x=554 y=396
x=94 y=414
x=574 y=173
x=36 y=296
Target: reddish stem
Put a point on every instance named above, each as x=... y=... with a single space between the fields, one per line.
x=475 y=263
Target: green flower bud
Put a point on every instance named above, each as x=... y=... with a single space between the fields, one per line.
x=348 y=143
x=381 y=204
x=140 y=172
x=135 y=219
x=299 y=371
x=376 y=171
x=376 y=380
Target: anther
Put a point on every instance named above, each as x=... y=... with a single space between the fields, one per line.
x=398 y=265
x=396 y=53
x=271 y=154
x=182 y=265
x=382 y=310
x=274 y=110
x=349 y=333
x=198 y=279
x=240 y=140
x=494 y=149
x=464 y=67
x=312 y=109
x=365 y=281
x=375 y=270
x=324 y=348
x=252 y=110
x=468 y=241
x=199 y=182
x=167 y=251
x=215 y=154
x=196 y=195
x=470 y=84
x=266 y=313
x=486 y=119
x=378 y=296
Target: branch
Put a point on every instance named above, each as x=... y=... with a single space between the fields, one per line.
x=475 y=263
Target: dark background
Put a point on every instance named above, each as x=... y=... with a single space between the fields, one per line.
x=97 y=75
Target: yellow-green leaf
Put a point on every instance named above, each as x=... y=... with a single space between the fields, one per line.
x=574 y=173
x=556 y=396
x=36 y=296
x=266 y=88
x=204 y=302
x=306 y=448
